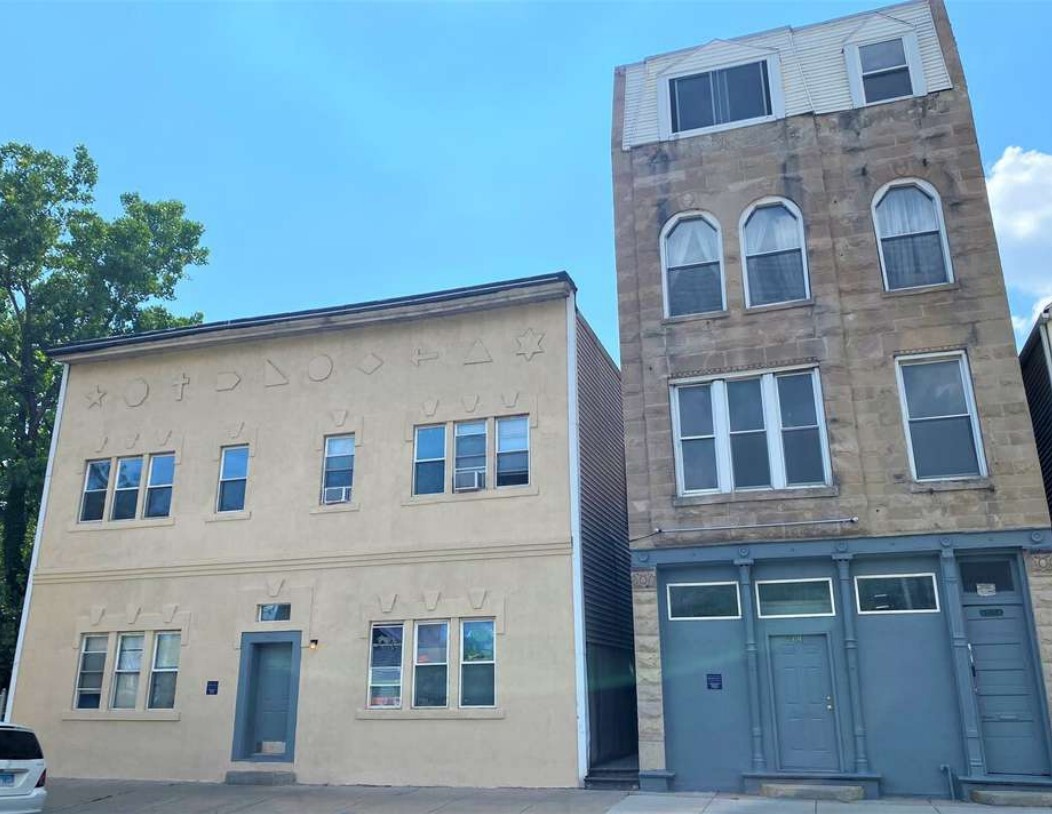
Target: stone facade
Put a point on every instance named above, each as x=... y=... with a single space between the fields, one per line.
x=830 y=166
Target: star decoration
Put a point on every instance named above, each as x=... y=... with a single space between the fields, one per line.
x=95 y=397
x=529 y=344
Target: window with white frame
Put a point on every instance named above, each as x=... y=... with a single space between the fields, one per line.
x=762 y=431
x=469 y=455
x=159 y=483
x=385 y=665
x=164 y=670
x=885 y=71
x=431 y=665
x=274 y=612
x=693 y=259
x=96 y=485
x=126 y=490
x=794 y=598
x=702 y=601
x=337 y=475
x=741 y=93
x=478 y=663
x=233 y=478
x=911 y=236
x=513 y=450
x=126 y=673
x=429 y=460
x=90 y=671
x=896 y=593
x=775 y=257
x=939 y=415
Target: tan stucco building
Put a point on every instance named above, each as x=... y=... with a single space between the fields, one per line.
x=353 y=544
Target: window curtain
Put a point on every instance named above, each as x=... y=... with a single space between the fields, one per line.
x=771 y=229
x=692 y=242
x=910 y=239
x=692 y=254
x=774 y=256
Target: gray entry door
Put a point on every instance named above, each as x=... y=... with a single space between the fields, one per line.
x=268 y=684
x=803 y=696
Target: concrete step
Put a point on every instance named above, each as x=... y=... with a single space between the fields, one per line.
x=812 y=791
x=260 y=778
x=1009 y=797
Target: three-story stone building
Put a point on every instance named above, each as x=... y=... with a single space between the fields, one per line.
x=832 y=481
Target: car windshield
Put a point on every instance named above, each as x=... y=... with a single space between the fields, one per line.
x=19 y=744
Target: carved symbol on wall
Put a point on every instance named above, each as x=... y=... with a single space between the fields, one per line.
x=319 y=368
x=370 y=364
x=102 y=443
x=387 y=602
x=470 y=402
x=162 y=437
x=131 y=613
x=529 y=344
x=476 y=596
x=273 y=376
x=234 y=430
x=168 y=612
x=226 y=381
x=180 y=385
x=509 y=400
x=477 y=354
x=644 y=579
x=94 y=397
x=420 y=355
x=95 y=614
x=136 y=392
x=430 y=407
x=339 y=417
x=131 y=440
x=431 y=599
x=274 y=586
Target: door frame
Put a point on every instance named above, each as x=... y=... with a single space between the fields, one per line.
x=249 y=642
x=773 y=698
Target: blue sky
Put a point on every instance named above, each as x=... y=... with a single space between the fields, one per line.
x=346 y=152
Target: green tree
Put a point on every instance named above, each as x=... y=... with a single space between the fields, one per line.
x=66 y=274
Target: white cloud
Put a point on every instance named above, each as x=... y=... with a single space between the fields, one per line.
x=1020 y=186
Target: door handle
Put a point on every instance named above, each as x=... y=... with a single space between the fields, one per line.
x=829 y=702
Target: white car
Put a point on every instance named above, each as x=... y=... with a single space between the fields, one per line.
x=23 y=771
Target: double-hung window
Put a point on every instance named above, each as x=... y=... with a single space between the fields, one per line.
x=741 y=93
x=96 y=485
x=469 y=456
x=338 y=469
x=164 y=670
x=885 y=71
x=431 y=665
x=90 y=671
x=233 y=477
x=939 y=415
x=763 y=431
x=775 y=257
x=126 y=491
x=126 y=673
x=693 y=259
x=385 y=665
x=429 y=460
x=513 y=451
x=478 y=663
x=159 y=485
x=911 y=235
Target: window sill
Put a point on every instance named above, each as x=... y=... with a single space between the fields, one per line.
x=779 y=306
x=922 y=289
x=955 y=485
x=483 y=494
x=121 y=525
x=222 y=517
x=336 y=508
x=800 y=493
x=703 y=316
x=719 y=128
x=481 y=714
x=121 y=715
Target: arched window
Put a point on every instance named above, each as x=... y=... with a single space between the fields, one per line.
x=911 y=234
x=775 y=262
x=693 y=260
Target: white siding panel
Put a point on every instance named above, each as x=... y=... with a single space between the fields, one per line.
x=814 y=74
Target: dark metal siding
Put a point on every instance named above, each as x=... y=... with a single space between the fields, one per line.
x=1039 y=395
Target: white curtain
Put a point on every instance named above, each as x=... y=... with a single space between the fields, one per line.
x=771 y=229
x=906 y=211
x=692 y=242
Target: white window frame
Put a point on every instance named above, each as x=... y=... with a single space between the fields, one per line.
x=486 y=453
x=416 y=656
x=858 y=598
x=222 y=480
x=666 y=230
x=827 y=580
x=259 y=612
x=77 y=689
x=325 y=466
x=117 y=671
x=369 y=684
x=154 y=669
x=929 y=190
x=418 y=460
x=762 y=203
x=110 y=475
x=143 y=471
x=772 y=427
x=148 y=486
x=910 y=47
x=774 y=84
x=969 y=400
x=497 y=450
x=668 y=601
x=460 y=657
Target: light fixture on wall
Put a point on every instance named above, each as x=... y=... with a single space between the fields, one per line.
x=313 y=644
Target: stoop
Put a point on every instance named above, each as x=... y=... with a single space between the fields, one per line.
x=260 y=778
x=813 y=791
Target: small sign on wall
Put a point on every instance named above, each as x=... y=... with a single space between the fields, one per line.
x=212 y=688
x=714 y=681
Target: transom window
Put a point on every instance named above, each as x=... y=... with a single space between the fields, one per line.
x=942 y=426
x=885 y=71
x=338 y=469
x=913 y=249
x=896 y=593
x=274 y=612
x=704 y=601
x=795 y=598
x=692 y=255
x=754 y=432
x=775 y=262
x=739 y=93
x=233 y=478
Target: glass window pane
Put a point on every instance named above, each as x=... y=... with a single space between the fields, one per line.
x=432 y=643
x=129 y=472
x=692 y=242
x=775 y=278
x=513 y=434
x=882 y=55
x=95 y=644
x=235 y=463
x=159 y=501
x=803 y=457
x=478 y=641
x=944 y=448
x=162 y=690
x=385 y=696
x=699 y=464
x=991 y=576
x=694 y=290
x=934 y=389
x=695 y=410
x=896 y=593
x=387 y=646
x=232 y=496
x=339 y=478
x=745 y=404
x=890 y=85
x=430 y=478
x=89 y=700
x=703 y=601
x=98 y=475
x=906 y=210
x=124 y=503
x=794 y=598
x=430 y=443
x=796 y=398
x=771 y=229
x=167 y=650
x=93 y=662
x=91 y=677
x=751 y=465
x=339 y=445
x=691 y=102
x=743 y=92
x=513 y=468
x=94 y=505
x=477 y=685
x=275 y=612
x=430 y=685
x=126 y=690
x=162 y=470
x=914 y=261
x=130 y=655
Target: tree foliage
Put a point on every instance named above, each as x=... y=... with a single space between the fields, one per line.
x=66 y=274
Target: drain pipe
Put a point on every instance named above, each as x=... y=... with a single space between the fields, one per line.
x=760 y=525
x=948 y=771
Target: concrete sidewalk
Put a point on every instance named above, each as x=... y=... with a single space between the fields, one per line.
x=130 y=797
